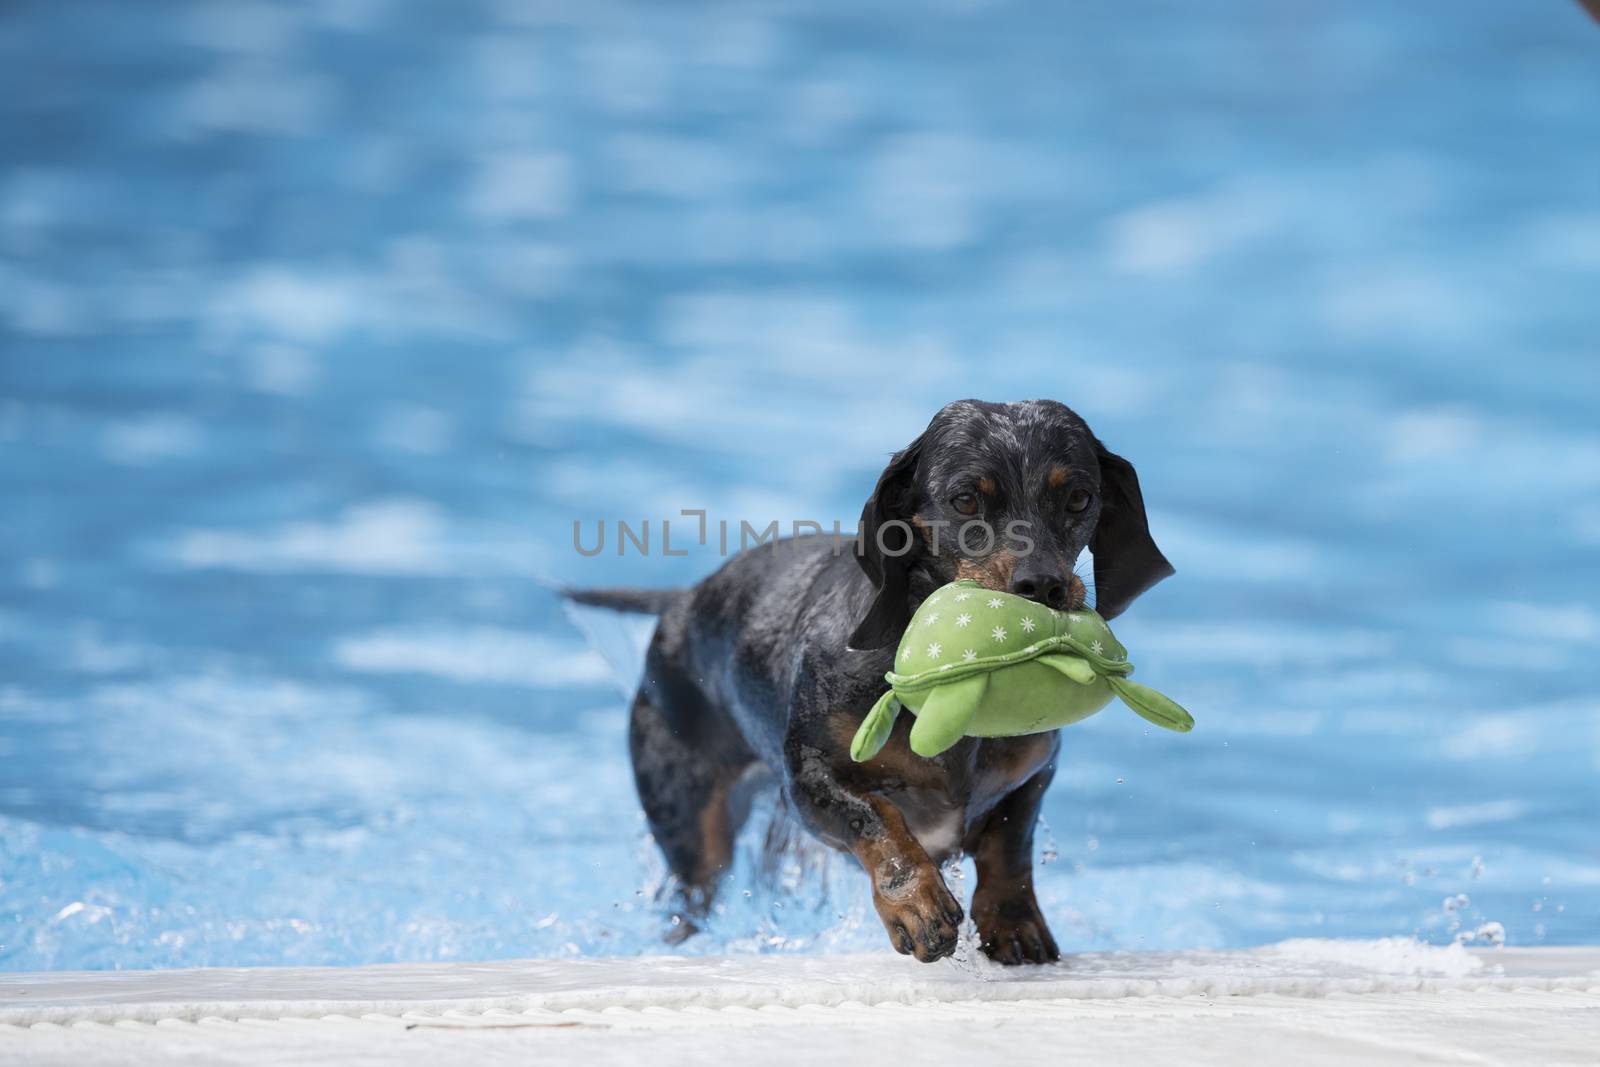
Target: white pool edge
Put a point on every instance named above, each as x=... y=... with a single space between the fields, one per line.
x=1301 y=969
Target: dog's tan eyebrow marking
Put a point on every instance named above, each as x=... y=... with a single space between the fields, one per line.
x=1059 y=475
x=986 y=485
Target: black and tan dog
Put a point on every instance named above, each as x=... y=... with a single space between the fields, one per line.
x=766 y=668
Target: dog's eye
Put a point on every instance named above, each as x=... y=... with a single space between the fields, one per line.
x=1077 y=500
x=966 y=503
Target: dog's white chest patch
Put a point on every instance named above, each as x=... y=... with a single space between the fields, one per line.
x=939 y=835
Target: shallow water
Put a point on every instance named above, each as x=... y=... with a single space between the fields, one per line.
x=320 y=329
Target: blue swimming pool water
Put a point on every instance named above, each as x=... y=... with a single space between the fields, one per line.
x=322 y=323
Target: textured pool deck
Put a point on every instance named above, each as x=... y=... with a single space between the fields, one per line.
x=1308 y=1002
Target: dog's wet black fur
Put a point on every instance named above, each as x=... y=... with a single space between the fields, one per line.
x=765 y=670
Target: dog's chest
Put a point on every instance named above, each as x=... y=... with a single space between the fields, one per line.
x=938 y=824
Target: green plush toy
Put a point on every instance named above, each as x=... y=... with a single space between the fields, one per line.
x=977 y=663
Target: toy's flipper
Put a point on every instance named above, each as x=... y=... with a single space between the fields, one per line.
x=1075 y=667
x=874 y=731
x=1151 y=705
x=944 y=717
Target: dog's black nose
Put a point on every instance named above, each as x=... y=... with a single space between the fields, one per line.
x=1048 y=589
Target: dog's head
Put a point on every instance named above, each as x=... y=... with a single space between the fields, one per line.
x=1008 y=494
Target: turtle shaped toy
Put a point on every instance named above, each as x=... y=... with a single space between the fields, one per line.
x=974 y=662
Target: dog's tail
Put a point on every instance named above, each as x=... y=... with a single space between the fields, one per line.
x=639 y=601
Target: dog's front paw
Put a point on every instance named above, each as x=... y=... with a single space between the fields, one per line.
x=922 y=918
x=1011 y=929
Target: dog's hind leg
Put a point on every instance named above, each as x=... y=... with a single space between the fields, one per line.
x=696 y=794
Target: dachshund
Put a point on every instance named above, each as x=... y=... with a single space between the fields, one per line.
x=764 y=670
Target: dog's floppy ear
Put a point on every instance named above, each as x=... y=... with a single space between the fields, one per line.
x=1126 y=560
x=886 y=619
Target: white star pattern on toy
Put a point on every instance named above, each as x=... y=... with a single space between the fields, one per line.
x=995 y=602
x=1027 y=623
x=933 y=617
x=963 y=619
x=1096 y=647
x=968 y=655
x=934 y=650
x=963 y=596
x=1074 y=619
x=934 y=599
x=998 y=633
